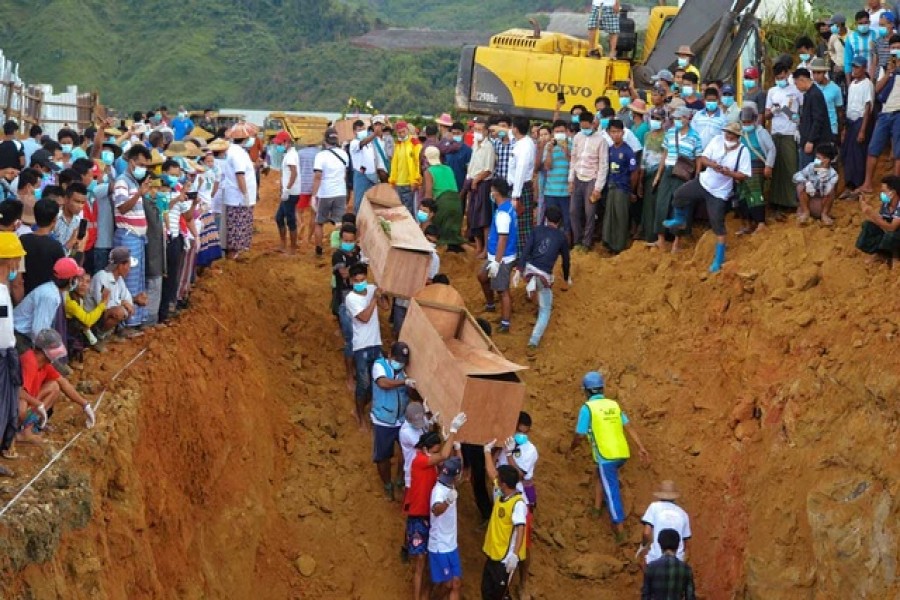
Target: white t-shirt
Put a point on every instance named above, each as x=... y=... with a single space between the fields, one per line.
x=666 y=515
x=526 y=457
x=334 y=183
x=365 y=335
x=435 y=267
x=7 y=335
x=409 y=437
x=784 y=102
x=442 y=535
x=363 y=157
x=238 y=161
x=628 y=137
x=118 y=291
x=714 y=182
x=859 y=93
x=291 y=159
x=378 y=372
x=503 y=222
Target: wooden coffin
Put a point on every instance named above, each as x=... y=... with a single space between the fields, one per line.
x=398 y=253
x=458 y=369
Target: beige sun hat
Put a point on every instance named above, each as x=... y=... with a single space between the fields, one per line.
x=667 y=491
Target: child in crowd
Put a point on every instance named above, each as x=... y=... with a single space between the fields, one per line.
x=816 y=183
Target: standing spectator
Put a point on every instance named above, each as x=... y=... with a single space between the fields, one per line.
x=783 y=108
x=588 y=170
x=838 y=27
x=861 y=42
x=131 y=221
x=496 y=274
x=65 y=231
x=752 y=91
x=816 y=184
x=363 y=159
x=389 y=401
x=342 y=259
x=32 y=143
x=609 y=22
x=664 y=514
x=11 y=253
x=477 y=189
x=622 y=184
x=708 y=123
x=885 y=29
x=406 y=177
x=503 y=144
x=668 y=578
x=439 y=187
x=880 y=232
x=725 y=160
x=12 y=151
x=181 y=125
x=545 y=245
x=834 y=99
x=651 y=159
x=605 y=423
x=457 y=155
x=239 y=186
x=329 y=189
x=887 y=124
x=504 y=542
x=286 y=216
x=854 y=138
x=681 y=143
x=41 y=250
x=730 y=107
x=684 y=56
x=306 y=158
x=155 y=248
x=556 y=165
x=519 y=176
x=758 y=142
x=814 y=127
x=443 y=549
x=805 y=51
x=362 y=306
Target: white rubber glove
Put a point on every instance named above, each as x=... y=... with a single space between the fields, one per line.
x=810 y=187
x=516 y=278
x=493 y=268
x=570 y=282
x=510 y=444
x=91 y=418
x=457 y=422
x=457 y=446
x=42 y=413
x=511 y=562
x=489 y=447
x=531 y=286
x=452 y=495
x=410 y=383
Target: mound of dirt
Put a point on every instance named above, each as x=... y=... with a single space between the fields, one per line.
x=225 y=463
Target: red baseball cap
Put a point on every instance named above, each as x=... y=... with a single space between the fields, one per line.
x=751 y=73
x=67 y=268
x=281 y=137
x=401 y=125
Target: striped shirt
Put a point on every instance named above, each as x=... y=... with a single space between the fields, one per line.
x=306 y=157
x=134 y=220
x=689 y=145
x=173 y=216
x=557 y=183
x=856 y=44
x=503 y=152
x=589 y=160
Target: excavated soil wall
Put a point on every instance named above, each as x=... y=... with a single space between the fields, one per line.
x=225 y=463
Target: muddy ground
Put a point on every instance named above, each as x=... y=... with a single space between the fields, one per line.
x=225 y=463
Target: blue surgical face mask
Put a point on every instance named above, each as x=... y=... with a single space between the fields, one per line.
x=501 y=133
x=882 y=31
x=107 y=157
x=92 y=186
x=885 y=198
x=804 y=57
x=587 y=131
x=749 y=128
x=396 y=365
x=683 y=62
x=139 y=172
x=604 y=123
x=457 y=139
x=687 y=90
x=12 y=275
x=59 y=164
x=361 y=286
x=712 y=105
x=674 y=87
x=520 y=438
x=624 y=102
x=727 y=101
x=895 y=53
x=279 y=149
x=576 y=118
x=348 y=246
x=421 y=216
x=170 y=180
x=781 y=83
x=362 y=134
x=66 y=148
x=655 y=125
x=749 y=84
x=863 y=28
x=38 y=193
x=817 y=162
x=835 y=29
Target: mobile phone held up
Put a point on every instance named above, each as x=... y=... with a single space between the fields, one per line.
x=82 y=229
x=561 y=97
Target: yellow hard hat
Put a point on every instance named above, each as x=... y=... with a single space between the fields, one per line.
x=10 y=246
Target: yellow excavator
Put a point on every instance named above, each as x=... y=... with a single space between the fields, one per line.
x=527 y=72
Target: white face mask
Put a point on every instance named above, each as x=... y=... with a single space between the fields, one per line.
x=478 y=137
x=559 y=137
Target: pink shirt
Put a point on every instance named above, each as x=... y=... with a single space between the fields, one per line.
x=590 y=159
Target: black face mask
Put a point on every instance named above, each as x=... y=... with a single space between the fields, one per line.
x=825 y=34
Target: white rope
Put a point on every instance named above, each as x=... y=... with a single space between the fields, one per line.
x=68 y=445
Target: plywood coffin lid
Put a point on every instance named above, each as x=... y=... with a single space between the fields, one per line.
x=383 y=194
x=440 y=293
x=405 y=233
x=477 y=361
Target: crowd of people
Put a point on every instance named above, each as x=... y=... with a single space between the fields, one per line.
x=102 y=234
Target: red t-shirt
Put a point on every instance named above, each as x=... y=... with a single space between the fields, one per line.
x=33 y=377
x=422 y=479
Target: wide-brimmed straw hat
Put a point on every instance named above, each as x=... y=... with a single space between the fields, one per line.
x=242 y=131
x=667 y=491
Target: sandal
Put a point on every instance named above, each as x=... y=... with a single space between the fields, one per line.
x=9 y=454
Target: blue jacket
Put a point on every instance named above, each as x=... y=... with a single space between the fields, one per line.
x=493 y=236
x=389 y=406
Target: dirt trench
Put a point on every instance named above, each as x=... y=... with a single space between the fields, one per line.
x=225 y=463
